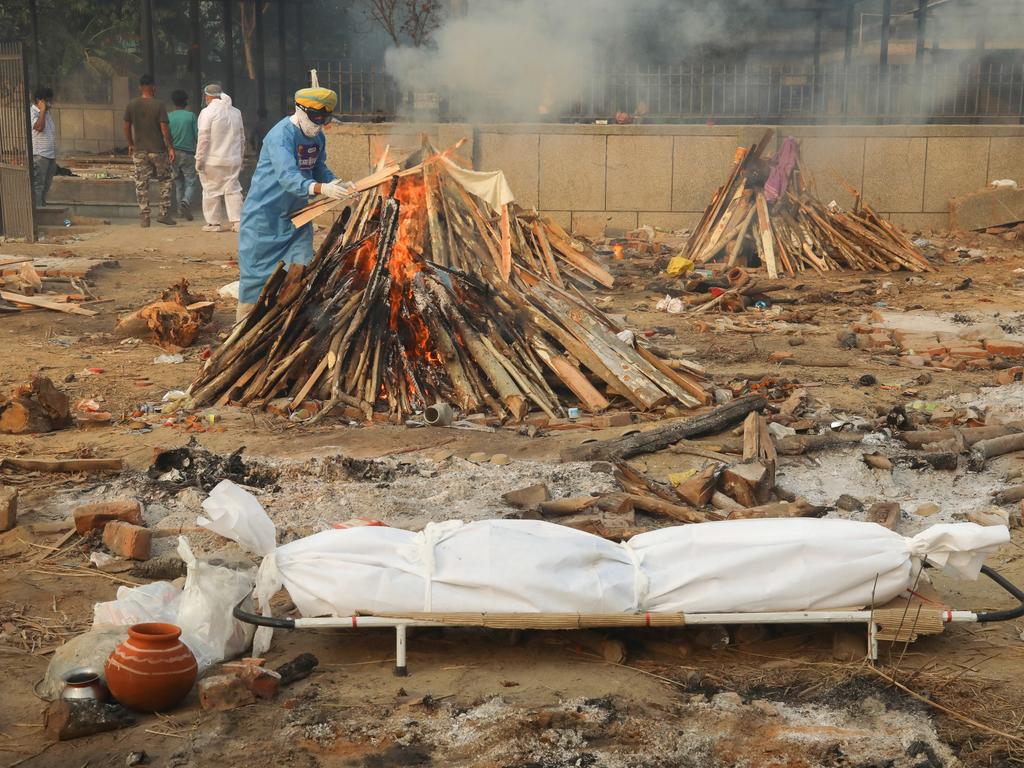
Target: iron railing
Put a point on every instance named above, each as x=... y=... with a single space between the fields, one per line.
x=943 y=92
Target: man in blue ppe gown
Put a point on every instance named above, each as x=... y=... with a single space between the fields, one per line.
x=292 y=166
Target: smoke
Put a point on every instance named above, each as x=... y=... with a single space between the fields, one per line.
x=530 y=60
x=527 y=58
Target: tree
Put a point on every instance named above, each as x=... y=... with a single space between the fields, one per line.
x=412 y=20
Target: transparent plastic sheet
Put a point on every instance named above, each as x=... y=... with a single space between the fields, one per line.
x=202 y=609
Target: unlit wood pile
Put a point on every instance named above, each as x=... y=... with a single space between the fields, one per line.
x=407 y=304
x=797 y=232
x=732 y=490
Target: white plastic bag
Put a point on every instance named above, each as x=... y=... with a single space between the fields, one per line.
x=136 y=605
x=202 y=609
x=211 y=593
x=236 y=514
x=229 y=291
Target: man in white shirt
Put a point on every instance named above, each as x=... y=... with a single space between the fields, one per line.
x=44 y=145
x=219 y=152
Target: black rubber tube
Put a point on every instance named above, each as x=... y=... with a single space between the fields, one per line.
x=1018 y=594
x=261 y=621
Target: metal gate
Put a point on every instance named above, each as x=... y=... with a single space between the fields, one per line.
x=16 y=205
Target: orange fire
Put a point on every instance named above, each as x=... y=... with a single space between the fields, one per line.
x=406 y=262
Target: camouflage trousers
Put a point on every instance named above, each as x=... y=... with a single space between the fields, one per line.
x=152 y=165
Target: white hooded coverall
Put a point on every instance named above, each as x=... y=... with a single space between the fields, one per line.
x=219 y=151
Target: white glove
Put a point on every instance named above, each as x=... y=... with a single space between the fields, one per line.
x=338 y=190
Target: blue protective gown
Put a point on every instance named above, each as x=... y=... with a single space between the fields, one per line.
x=288 y=161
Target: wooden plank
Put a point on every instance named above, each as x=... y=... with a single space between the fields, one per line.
x=39 y=301
x=549 y=257
x=305 y=215
x=572 y=377
x=765 y=230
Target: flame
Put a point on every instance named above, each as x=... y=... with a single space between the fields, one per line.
x=406 y=262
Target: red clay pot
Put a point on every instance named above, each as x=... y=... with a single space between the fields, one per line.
x=151 y=671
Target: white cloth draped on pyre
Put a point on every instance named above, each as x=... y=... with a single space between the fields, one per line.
x=429 y=294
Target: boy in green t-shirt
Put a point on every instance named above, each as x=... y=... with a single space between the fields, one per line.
x=184 y=130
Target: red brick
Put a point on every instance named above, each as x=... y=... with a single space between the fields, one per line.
x=1009 y=375
x=89 y=517
x=915 y=360
x=617 y=419
x=979 y=365
x=953 y=363
x=778 y=357
x=127 y=540
x=221 y=692
x=1003 y=347
x=262 y=682
x=935 y=351
x=8 y=507
x=975 y=353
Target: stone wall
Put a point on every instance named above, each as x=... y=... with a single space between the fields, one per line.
x=92 y=127
x=588 y=176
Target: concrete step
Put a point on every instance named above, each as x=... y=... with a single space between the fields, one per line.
x=51 y=216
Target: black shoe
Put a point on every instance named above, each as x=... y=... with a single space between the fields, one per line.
x=185 y=212
x=166 y=219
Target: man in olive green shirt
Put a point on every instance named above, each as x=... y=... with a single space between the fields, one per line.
x=184 y=126
x=150 y=147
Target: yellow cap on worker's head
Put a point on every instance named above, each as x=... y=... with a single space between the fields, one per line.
x=316 y=98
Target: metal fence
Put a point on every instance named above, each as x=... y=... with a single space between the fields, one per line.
x=944 y=92
x=16 y=203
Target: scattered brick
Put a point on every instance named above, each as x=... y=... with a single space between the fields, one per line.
x=1010 y=375
x=222 y=692
x=618 y=419
x=1005 y=347
x=127 y=540
x=968 y=352
x=89 y=517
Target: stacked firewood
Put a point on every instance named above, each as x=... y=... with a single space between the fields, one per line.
x=425 y=294
x=795 y=232
x=726 y=488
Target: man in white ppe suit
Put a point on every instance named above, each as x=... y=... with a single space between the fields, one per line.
x=219 y=152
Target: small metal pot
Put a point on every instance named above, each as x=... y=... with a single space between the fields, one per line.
x=84 y=683
x=439 y=415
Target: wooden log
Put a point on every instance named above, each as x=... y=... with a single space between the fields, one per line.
x=64 y=465
x=795 y=445
x=764 y=224
x=699 y=487
x=725 y=503
x=668 y=509
x=565 y=507
x=659 y=438
x=549 y=258
x=971 y=435
x=1010 y=495
x=996 y=446
x=798 y=508
x=747 y=483
x=507 y=390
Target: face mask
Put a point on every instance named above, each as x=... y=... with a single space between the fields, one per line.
x=307 y=126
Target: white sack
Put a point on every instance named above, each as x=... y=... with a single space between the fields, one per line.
x=797 y=564
x=492 y=565
x=237 y=515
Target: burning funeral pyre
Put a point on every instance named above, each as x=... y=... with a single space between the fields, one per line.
x=767 y=212
x=423 y=292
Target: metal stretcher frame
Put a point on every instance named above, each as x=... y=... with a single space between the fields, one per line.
x=870 y=617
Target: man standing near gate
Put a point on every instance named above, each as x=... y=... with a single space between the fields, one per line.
x=44 y=145
x=151 y=149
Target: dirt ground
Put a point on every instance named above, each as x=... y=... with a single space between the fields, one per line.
x=789 y=696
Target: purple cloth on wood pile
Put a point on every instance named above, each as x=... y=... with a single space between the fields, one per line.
x=785 y=161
